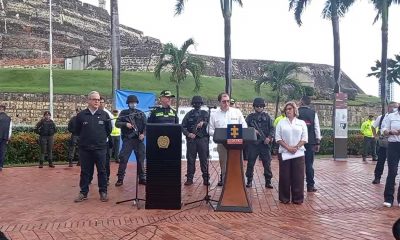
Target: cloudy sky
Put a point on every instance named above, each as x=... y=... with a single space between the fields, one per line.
x=264 y=29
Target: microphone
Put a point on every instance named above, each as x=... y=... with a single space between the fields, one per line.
x=212 y=107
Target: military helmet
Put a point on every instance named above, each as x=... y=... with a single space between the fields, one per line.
x=132 y=98
x=259 y=102
x=197 y=99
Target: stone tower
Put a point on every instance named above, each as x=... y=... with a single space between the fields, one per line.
x=102 y=4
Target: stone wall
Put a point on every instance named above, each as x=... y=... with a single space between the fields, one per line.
x=27 y=109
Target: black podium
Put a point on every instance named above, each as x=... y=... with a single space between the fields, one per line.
x=163 y=154
x=234 y=195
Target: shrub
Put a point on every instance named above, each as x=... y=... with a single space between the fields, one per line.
x=354 y=142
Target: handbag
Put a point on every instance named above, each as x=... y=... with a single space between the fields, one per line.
x=382 y=141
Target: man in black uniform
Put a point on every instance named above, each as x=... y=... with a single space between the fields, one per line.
x=93 y=126
x=194 y=126
x=310 y=117
x=262 y=122
x=133 y=126
x=164 y=113
x=73 y=141
x=5 y=133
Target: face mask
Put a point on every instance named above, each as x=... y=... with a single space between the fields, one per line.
x=197 y=106
x=132 y=105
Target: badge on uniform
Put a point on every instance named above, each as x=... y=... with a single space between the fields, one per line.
x=101 y=122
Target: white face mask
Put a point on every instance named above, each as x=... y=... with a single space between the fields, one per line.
x=132 y=105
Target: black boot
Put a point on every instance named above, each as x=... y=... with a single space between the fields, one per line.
x=268 y=184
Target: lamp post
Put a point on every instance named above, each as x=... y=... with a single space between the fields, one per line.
x=51 y=61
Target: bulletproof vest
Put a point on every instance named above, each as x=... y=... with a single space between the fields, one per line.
x=194 y=117
x=136 y=118
x=4 y=126
x=308 y=116
x=46 y=128
x=263 y=122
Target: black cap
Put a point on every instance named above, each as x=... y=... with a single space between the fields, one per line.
x=166 y=93
x=259 y=102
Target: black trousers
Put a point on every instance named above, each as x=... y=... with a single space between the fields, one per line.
x=309 y=160
x=73 y=148
x=3 y=147
x=380 y=165
x=291 y=179
x=46 y=148
x=129 y=145
x=115 y=149
x=393 y=157
x=88 y=159
x=193 y=147
x=369 y=147
x=264 y=152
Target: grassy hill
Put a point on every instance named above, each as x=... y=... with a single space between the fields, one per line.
x=82 y=82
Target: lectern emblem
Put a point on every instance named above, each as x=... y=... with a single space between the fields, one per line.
x=163 y=141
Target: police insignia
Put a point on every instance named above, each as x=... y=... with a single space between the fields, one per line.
x=163 y=141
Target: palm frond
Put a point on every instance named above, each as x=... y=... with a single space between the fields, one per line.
x=298 y=7
x=239 y=2
x=160 y=65
x=179 y=7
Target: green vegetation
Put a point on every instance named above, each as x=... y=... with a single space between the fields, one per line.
x=82 y=82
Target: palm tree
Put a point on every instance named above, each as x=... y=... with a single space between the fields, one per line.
x=333 y=10
x=180 y=62
x=115 y=49
x=382 y=6
x=280 y=77
x=226 y=8
x=393 y=70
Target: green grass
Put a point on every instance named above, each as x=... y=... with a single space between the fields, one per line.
x=82 y=82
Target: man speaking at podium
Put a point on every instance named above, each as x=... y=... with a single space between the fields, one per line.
x=164 y=113
x=223 y=116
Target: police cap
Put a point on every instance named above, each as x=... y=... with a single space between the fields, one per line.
x=259 y=102
x=132 y=98
x=197 y=99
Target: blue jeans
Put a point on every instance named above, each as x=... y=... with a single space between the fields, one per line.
x=309 y=160
x=88 y=159
x=393 y=156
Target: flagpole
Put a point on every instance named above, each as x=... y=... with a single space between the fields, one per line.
x=51 y=60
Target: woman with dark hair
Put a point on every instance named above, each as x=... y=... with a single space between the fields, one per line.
x=291 y=135
x=46 y=129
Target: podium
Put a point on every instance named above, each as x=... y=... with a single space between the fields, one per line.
x=234 y=195
x=163 y=156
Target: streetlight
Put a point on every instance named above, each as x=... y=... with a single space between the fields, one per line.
x=51 y=60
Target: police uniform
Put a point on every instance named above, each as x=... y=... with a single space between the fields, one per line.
x=262 y=122
x=131 y=141
x=163 y=115
x=199 y=144
x=93 y=130
x=46 y=130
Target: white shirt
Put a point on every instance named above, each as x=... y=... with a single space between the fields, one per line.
x=291 y=133
x=220 y=119
x=392 y=122
x=10 y=131
x=317 y=128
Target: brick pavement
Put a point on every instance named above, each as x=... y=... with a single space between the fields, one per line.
x=38 y=204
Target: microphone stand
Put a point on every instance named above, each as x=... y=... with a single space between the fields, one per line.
x=207 y=197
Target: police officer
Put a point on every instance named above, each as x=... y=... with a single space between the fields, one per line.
x=132 y=122
x=73 y=141
x=262 y=122
x=194 y=126
x=310 y=117
x=46 y=129
x=164 y=113
x=93 y=126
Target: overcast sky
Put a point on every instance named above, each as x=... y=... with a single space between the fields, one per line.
x=264 y=29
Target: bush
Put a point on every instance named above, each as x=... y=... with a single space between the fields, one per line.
x=354 y=142
x=24 y=148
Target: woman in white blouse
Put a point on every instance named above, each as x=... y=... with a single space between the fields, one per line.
x=291 y=135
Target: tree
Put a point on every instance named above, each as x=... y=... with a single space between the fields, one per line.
x=180 y=61
x=115 y=49
x=382 y=6
x=393 y=70
x=280 y=77
x=333 y=10
x=226 y=8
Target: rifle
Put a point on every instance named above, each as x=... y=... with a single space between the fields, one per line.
x=257 y=127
